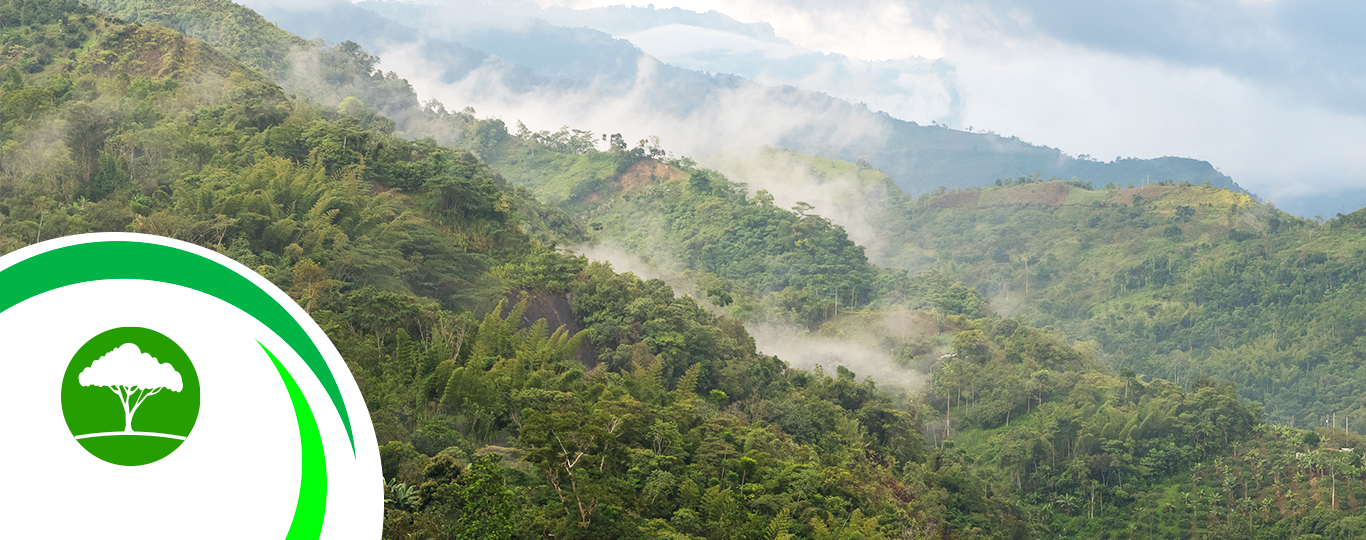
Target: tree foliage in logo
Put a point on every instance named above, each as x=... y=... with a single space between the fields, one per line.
x=133 y=376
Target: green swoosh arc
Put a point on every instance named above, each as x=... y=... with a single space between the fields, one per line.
x=101 y=260
x=312 y=504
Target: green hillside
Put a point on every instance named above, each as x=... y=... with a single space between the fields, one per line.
x=1117 y=362
x=1174 y=281
x=770 y=160
x=1046 y=419
x=1191 y=283
x=759 y=261
x=403 y=252
x=1045 y=253
x=326 y=75
x=228 y=27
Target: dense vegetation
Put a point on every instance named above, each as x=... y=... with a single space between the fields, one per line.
x=1059 y=432
x=335 y=75
x=760 y=262
x=403 y=251
x=1175 y=281
x=652 y=414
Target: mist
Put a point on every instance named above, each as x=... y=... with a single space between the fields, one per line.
x=791 y=343
x=842 y=196
x=741 y=115
x=658 y=266
x=911 y=88
x=806 y=351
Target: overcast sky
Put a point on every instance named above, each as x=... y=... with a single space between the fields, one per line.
x=1269 y=91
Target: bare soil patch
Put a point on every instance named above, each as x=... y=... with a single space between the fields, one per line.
x=646 y=172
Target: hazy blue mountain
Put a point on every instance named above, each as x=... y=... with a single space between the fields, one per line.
x=343 y=21
x=621 y=20
x=554 y=56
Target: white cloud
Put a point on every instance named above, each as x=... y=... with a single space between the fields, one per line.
x=864 y=30
x=1268 y=92
x=1107 y=105
x=914 y=88
x=682 y=45
x=746 y=115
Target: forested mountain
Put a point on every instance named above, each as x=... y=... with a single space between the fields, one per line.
x=403 y=251
x=1173 y=280
x=1176 y=281
x=313 y=70
x=1027 y=396
x=1015 y=396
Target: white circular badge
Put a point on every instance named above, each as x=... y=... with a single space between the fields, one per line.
x=165 y=391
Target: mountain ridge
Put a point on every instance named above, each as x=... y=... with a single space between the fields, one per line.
x=919 y=158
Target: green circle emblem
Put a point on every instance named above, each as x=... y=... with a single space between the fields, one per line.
x=130 y=396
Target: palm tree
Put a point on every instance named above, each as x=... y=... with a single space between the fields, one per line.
x=402 y=496
x=1067 y=502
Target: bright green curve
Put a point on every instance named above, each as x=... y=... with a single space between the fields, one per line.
x=95 y=261
x=308 y=513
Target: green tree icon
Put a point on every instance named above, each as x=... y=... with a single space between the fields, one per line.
x=133 y=376
x=152 y=382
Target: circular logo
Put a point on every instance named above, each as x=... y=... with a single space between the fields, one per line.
x=130 y=396
x=138 y=344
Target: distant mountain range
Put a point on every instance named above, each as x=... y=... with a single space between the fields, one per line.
x=530 y=64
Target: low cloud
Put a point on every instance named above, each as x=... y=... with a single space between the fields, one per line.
x=870 y=355
x=735 y=116
x=909 y=88
x=806 y=351
x=657 y=265
x=1265 y=91
x=1102 y=104
x=842 y=197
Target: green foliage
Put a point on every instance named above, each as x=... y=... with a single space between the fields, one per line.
x=20 y=13
x=325 y=75
x=1192 y=281
x=228 y=27
x=388 y=241
x=787 y=265
x=641 y=414
x=960 y=300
